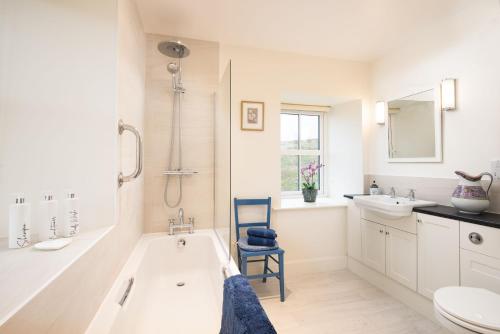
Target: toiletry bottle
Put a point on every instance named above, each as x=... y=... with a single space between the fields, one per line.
x=19 y=223
x=374 y=189
x=48 y=218
x=71 y=215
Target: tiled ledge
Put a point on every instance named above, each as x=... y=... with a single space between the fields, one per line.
x=26 y=272
x=321 y=203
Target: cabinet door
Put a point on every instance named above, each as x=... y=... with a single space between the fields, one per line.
x=354 y=231
x=480 y=270
x=373 y=245
x=438 y=254
x=401 y=257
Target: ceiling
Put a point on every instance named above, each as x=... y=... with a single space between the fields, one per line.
x=362 y=30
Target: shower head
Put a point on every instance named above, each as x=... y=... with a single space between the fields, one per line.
x=173 y=68
x=173 y=49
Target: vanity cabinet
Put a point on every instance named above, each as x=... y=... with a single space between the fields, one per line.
x=438 y=254
x=354 y=231
x=373 y=241
x=401 y=257
x=480 y=256
x=391 y=252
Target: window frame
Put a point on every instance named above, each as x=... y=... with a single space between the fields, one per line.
x=299 y=152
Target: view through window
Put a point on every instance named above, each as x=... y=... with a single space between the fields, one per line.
x=301 y=144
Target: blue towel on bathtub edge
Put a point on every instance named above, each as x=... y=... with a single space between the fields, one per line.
x=268 y=233
x=258 y=241
x=241 y=309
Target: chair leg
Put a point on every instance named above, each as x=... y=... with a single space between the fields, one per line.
x=282 y=276
x=244 y=266
x=266 y=262
x=239 y=260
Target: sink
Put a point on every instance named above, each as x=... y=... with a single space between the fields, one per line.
x=388 y=207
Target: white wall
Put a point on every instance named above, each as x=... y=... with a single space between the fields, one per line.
x=262 y=75
x=465 y=47
x=314 y=240
x=68 y=304
x=58 y=105
x=345 y=149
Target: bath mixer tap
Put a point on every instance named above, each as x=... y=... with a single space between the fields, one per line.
x=172 y=225
x=181 y=216
x=392 y=192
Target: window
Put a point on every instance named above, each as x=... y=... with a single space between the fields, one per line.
x=301 y=143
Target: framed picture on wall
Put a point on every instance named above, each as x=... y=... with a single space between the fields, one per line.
x=252 y=116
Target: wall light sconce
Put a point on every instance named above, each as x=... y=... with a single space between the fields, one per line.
x=448 y=99
x=380 y=112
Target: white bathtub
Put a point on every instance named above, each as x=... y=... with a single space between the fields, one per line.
x=156 y=304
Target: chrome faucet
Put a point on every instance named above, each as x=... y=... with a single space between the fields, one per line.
x=392 y=192
x=181 y=216
x=411 y=195
x=172 y=225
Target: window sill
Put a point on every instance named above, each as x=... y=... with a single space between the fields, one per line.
x=25 y=272
x=321 y=202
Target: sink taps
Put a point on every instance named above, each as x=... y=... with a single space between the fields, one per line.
x=411 y=195
x=392 y=192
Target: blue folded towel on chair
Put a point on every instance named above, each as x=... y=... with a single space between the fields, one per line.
x=258 y=241
x=262 y=232
x=241 y=309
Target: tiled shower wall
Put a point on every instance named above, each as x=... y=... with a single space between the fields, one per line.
x=200 y=78
x=434 y=189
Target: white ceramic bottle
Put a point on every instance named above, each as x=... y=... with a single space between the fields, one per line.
x=19 y=223
x=71 y=225
x=48 y=218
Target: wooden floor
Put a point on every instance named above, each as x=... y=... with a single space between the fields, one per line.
x=341 y=302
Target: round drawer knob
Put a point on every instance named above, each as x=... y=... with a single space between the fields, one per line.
x=475 y=238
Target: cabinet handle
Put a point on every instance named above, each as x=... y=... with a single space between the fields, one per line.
x=381 y=231
x=419 y=221
x=386 y=233
x=475 y=238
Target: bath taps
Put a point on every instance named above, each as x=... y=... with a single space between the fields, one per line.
x=411 y=195
x=181 y=216
x=172 y=225
x=392 y=192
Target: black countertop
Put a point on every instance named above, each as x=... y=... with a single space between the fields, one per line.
x=485 y=218
x=351 y=196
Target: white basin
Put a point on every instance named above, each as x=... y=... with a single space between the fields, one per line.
x=390 y=207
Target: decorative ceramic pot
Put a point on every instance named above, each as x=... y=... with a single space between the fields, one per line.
x=310 y=195
x=469 y=196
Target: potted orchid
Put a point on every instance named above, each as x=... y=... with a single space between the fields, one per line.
x=309 y=190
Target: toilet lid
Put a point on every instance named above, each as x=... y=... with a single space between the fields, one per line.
x=473 y=305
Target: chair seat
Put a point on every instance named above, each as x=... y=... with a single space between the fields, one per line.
x=243 y=244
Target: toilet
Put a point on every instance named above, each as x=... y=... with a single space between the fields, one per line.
x=468 y=310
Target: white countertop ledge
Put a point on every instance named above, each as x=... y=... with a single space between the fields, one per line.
x=321 y=203
x=25 y=272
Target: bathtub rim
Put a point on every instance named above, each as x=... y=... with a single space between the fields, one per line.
x=109 y=309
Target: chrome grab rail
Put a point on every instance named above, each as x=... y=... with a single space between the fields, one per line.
x=127 y=292
x=138 y=153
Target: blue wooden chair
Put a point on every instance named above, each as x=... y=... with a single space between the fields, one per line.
x=246 y=251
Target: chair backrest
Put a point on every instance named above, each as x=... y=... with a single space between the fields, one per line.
x=250 y=202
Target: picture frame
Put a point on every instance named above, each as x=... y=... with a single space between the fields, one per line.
x=252 y=116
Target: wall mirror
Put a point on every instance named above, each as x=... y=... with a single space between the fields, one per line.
x=414 y=128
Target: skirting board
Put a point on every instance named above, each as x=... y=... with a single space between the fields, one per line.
x=415 y=301
x=299 y=267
